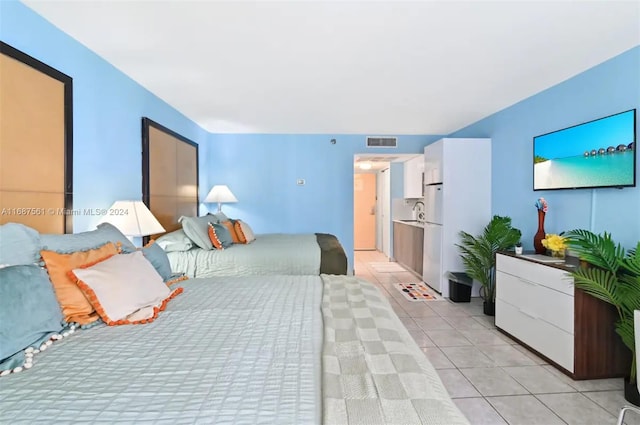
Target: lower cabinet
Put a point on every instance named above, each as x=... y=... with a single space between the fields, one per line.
x=408 y=245
x=538 y=305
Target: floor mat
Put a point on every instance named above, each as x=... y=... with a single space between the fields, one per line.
x=387 y=267
x=416 y=291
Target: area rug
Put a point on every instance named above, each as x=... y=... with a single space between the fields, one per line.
x=416 y=291
x=387 y=267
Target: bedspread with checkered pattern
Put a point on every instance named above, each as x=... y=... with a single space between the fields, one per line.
x=373 y=371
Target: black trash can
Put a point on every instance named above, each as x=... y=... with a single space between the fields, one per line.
x=459 y=287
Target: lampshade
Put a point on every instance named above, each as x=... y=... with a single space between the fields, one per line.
x=132 y=218
x=220 y=194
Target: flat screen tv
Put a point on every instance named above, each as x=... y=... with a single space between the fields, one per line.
x=598 y=153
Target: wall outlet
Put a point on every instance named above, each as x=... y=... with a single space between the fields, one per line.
x=300 y=182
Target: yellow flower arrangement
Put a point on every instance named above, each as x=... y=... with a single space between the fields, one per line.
x=555 y=243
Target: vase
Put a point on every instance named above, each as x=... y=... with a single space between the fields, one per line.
x=540 y=234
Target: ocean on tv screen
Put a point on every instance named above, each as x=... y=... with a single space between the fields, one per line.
x=613 y=169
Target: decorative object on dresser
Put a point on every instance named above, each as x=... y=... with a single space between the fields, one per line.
x=542 y=207
x=538 y=305
x=556 y=244
x=479 y=259
x=613 y=276
x=519 y=249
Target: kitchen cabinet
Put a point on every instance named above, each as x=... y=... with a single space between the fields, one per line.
x=413 y=169
x=408 y=245
x=433 y=162
x=538 y=305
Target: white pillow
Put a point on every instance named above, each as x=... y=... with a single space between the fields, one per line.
x=175 y=241
x=121 y=285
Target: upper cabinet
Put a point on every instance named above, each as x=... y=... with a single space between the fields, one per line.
x=413 y=170
x=433 y=156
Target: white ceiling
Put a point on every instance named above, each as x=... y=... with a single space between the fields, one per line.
x=365 y=67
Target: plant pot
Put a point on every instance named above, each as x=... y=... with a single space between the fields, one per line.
x=489 y=308
x=631 y=392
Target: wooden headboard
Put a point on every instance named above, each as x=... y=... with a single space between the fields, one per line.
x=169 y=174
x=36 y=143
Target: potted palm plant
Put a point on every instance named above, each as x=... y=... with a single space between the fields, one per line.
x=609 y=273
x=479 y=255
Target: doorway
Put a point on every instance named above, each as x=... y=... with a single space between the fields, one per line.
x=364 y=211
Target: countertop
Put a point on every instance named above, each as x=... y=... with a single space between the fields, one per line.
x=413 y=223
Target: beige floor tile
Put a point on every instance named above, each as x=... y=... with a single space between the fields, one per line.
x=485 y=337
x=576 y=409
x=422 y=339
x=410 y=324
x=488 y=321
x=612 y=402
x=465 y=357
x=524 y=410
x=537 y=380
x=473 y=358
x=493 y=381
x=464 y=322
x=505 y=355
x=448 y=338
x=456 y=384
x=588 y=385
x=437 y=358
x=478 y=411
x=433 y=323
x=535 y=358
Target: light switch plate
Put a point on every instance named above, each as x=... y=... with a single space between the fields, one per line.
x=300 y=182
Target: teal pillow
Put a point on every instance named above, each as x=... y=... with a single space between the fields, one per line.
x=29 y=312
x=197 y=229
x=219 y=216
x=106 y=232
x=223 y=234
x=19 y=244
x=158 y=258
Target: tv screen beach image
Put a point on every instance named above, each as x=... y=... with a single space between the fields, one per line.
x=594 y=154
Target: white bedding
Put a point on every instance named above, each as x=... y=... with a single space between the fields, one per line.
x=232 y=350
x=269 y=254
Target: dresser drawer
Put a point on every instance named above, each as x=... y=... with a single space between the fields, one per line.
x=543 y=337
x=537 y=301
x=550 y=277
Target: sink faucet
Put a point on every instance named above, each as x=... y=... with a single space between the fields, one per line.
x=416 y=205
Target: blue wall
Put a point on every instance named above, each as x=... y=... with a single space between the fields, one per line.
x=261 y=170
x=609 y=88
x=107 y=111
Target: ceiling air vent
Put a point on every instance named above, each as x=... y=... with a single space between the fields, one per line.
x=382 y=142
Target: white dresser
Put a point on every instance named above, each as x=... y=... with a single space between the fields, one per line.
x=536 y=303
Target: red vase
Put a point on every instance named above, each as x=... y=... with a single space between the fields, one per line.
x=540 y=234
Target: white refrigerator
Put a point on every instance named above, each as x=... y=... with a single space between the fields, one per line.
x=432 y=256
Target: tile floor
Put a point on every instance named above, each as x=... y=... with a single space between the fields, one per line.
x=491 y=378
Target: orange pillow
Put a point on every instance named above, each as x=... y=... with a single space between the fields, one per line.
x=232 y=230
x=75 y=306
x=237 y=226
